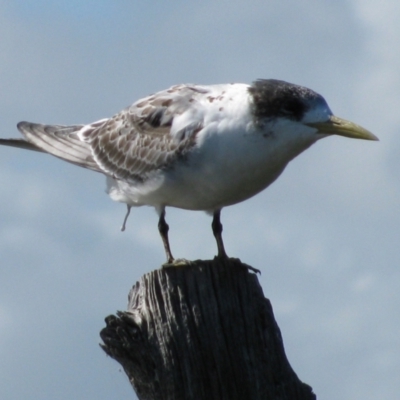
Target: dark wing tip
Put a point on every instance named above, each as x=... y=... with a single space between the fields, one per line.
x=20 y=143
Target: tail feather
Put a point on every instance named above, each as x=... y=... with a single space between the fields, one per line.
x=58 y=140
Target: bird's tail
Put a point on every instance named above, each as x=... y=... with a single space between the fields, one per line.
x=58 y=140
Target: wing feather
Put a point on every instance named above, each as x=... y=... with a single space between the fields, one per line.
x=141 y=139
x=60 y=141
x=21 y=144
x=130 y=146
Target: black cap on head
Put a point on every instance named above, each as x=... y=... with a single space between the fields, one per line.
x=274 y=98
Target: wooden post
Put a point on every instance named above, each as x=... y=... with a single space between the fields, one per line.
x=202 y=331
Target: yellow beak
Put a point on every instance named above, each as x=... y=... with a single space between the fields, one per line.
x=342 y=127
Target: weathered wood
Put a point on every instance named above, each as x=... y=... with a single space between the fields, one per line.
x=202 y=331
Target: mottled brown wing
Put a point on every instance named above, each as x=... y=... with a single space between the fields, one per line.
x=138 y=140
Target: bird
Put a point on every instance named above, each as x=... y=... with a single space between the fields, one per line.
x=195 y=147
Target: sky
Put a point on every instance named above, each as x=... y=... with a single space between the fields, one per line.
x=325 y=235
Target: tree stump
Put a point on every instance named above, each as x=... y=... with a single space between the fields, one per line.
x=202 y=331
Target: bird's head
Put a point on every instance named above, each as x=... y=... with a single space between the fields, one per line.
x=278 y=100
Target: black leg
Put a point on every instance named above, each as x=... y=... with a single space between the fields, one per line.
x=163 y=229
x=217 y=231
x=126 y=217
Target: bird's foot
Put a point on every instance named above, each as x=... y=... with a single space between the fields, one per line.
x=178 y=262
x=238 y=263
x=248 y=267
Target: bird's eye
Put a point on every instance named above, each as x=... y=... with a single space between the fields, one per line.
x=294 y=108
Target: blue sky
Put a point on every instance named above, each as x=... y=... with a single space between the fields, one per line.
x=325 y=235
